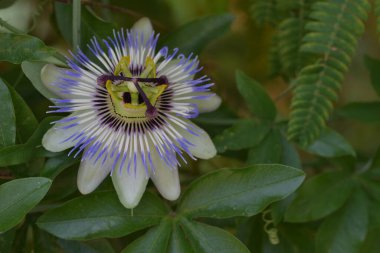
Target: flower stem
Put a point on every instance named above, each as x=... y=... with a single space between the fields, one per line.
x=76 y=23
x=9 y=27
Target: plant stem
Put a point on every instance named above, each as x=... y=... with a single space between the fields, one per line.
x=285 y=92
x=76 y=23
x=9 y=27
x=115 y=8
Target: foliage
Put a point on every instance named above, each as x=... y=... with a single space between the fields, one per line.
x=290 y=177
x=318 y=84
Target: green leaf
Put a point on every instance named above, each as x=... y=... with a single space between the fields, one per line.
x=32 y=70
x=95 y=246
x=371 y=244
x=23 y=153
x=367 y=112
x=371 y=187
x=250 y=232
x=21 y=237
x=6 y=3
x=256 y=98
x=331 y=144
x=216 y=122
x=57 y=164
x=373 y=66
x=290 y=154
x=374 y=210
x=26 y=122
x=7 y=117
x=65 y=185
x=6 y=241
x=345 y=230
x=320 y=196
x=18 y=154
x=18 y=197
x=101 y=215
x=24 y=48
x=318 y=83
x=297 y=239
x=91 y=25
x=155 y=240
x=268 y=151
x=375 y=161
x=239 y=192
x=293 y=239
x=43 y=241
x=192 y=37
x=244 y=134
x=179 y=242
x=210 y=239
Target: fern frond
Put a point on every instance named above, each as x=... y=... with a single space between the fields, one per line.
x=274 y=57
x=332 y=37
x=290 y=5
x=377 y=14
x=290 y=33
x=263 y=11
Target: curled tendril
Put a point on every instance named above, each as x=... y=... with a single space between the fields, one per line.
x=270 y=227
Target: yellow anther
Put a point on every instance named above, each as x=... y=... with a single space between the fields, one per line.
x=123 y=66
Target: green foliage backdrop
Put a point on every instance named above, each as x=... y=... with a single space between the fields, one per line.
x=297 y=134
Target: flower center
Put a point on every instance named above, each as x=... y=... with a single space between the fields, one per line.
x=131 y=96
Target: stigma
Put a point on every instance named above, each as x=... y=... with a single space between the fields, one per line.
x=134 y=96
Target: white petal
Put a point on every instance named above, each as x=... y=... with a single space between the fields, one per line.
x=164 y=178
x=54 y=139
x=91 y=173
x=208 y=104
x=130 y=186
x=50 y=74
x=174 y=64
x=202 y=147
x=144 y=26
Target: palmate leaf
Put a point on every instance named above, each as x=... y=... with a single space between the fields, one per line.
x=257 y=99
x=209 y=239
x=333 y=32
x=155 y=240
x=345 y=230
x=100 y=214
x=320 y=196
x=239 y=192
x=18 y=197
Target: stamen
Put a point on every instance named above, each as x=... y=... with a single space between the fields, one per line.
x=151 y=111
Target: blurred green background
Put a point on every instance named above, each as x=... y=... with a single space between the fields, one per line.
x=246 y=46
